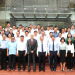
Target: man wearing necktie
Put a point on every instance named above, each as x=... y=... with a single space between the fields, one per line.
x=31 y=50
x=53 y=49
x=42 y=52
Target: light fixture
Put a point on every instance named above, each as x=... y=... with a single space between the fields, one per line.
x=45 y=8
x=55 y=9
x=24 y=8
x=34 y=8
x=14 y=8
x=66 y=9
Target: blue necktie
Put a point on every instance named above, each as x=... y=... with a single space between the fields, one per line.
x=53 y=45
x=42 y=46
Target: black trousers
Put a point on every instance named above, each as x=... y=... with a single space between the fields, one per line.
x=21 y=56
x=69 y=60
x=33 y=58
x=10 y=58
x=42 y=57
x=53 y=55
x=3 y=57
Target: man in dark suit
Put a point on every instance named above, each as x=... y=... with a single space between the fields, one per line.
x=31 y=50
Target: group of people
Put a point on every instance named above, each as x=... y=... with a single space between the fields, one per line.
x=37 y=43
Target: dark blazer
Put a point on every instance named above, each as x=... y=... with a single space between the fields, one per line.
x=29 y=46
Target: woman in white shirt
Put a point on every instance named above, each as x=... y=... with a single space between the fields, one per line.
x=70 y=53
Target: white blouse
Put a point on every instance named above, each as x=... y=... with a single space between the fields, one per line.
x=70 y=47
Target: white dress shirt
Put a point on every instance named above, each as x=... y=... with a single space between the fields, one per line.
x=51 y=30
x=26 y=38
x=14 y=31
x=47 y=33
x=22 y=33
x=17 y=39
x=70 y=47
x=37 y=38
x=64 y=35
x=22 y=46
x=58 y=40
x=39 y=48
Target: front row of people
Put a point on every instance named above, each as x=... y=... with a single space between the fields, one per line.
x=33 y=47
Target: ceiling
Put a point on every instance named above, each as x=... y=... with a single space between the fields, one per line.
x=35 y=9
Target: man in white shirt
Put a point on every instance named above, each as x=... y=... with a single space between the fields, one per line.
x=34 y=28
x=38 y=26
x=39 y=32
x=57 y=29
x=51 y=28
x=72 y=30
x=50 y=35
x=63 y=33
x=22 y=31
x=17 y=37
x=26 y=36
x=26 y=28
x=47 y=31
x=8 y=26
x=58 y=38
x=22 y=51
x=14 y=30
x=31 y=26
x=29 y=30
x=44 y=36
x=42 y=28
x=42 y=52
x=36 y=36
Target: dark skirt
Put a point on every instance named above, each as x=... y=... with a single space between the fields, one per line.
x=62 y=56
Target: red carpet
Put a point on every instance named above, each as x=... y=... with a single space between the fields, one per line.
x=47 y=71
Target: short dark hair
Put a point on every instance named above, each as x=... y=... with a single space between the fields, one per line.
x=29 y=27
x=30 y=24
x=47 y=26
x=69 y=28
x=26 y=31
x=20 y=25
x=14 y=25
x=22 y=36
x=62 y=38
x=35 y=31
x=72 y=25
x=39 y=29
x=53 y=36
x=51 y=25
x=51 y=32
x=38 y=24
x=59 y=32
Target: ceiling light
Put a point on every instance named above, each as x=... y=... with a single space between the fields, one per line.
x=24 y=8
x=14 y=8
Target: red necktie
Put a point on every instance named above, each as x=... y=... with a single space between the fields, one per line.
x=31 y=42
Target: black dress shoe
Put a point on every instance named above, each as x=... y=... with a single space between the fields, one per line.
x=23 y=69
x=39 y=70
x=1 y=69
x=28 y=70
x=13 y=69
x=9 y=69
x=51 y=69
x=54 y=69
x=5 y=69
x=19 y=69
x=34 y=70
x=44 y=70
